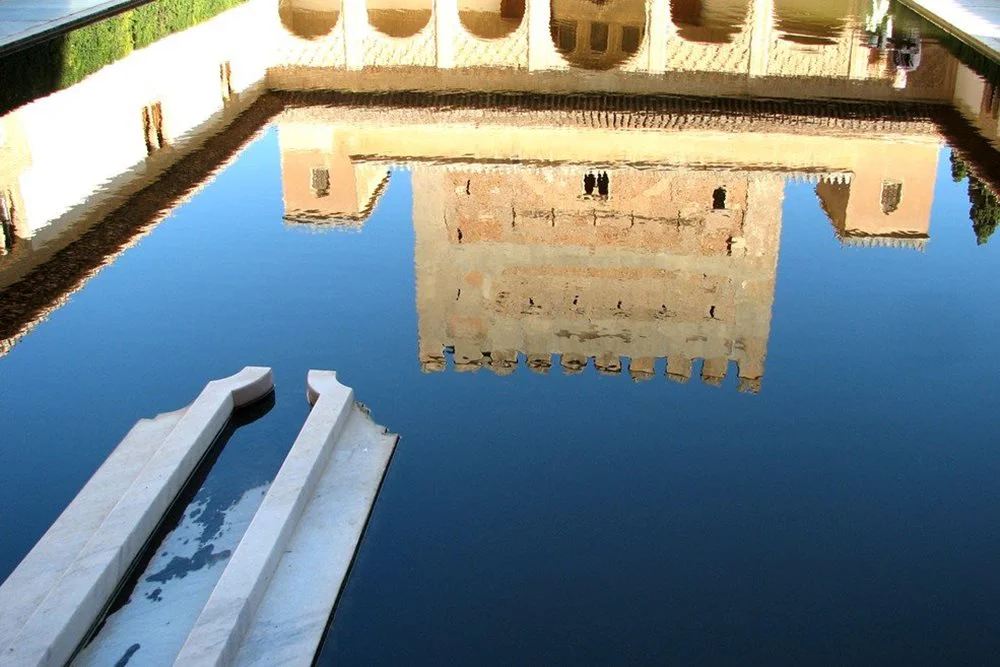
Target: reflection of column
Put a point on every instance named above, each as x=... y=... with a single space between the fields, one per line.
x=657 y=30
x=355 y=20
x=761 y=27
x=539 y=36
x=445 y=31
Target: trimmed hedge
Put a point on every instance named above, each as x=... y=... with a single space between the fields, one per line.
x=71 y=57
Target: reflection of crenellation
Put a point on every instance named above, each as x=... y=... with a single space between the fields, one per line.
x=521 y=261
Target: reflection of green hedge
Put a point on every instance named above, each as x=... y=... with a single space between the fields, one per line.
x=69 y=58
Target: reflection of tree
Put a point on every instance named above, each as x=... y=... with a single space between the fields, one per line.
x=958 y=169
x=985 y=210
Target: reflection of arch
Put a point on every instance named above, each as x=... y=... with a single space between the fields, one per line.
x=811 y=23
x=309 y=19
x=598 y=36
x=399 y=18
x=491 y=19
x=713 y=21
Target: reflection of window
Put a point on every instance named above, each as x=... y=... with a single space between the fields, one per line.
x=512 y=9
x=226 y=79
x=566 y=36
x=320 y=181
x=631 y=36
x=892 y=193
x=598 y=37
x=719 y=199
x=991 y=101
x=152 y=127
x=6 y=223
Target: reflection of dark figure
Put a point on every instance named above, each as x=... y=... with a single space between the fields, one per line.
x=603 y=184
x=588 y=184
x=906 y=57
x=6 y=225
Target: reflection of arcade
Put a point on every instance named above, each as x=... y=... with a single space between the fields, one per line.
x=770 y=48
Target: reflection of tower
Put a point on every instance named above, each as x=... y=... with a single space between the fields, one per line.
x=518 y=262
x=319 y=181
x=888 y=199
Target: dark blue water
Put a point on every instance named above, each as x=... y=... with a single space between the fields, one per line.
x=846 y=514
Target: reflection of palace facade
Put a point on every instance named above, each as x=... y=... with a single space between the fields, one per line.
x=64 y=178
x=515 y=263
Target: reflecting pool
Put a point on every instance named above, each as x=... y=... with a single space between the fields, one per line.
x=690 y=363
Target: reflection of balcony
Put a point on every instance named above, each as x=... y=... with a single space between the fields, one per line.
x=597 y=36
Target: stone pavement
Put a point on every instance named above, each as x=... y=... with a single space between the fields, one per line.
x=25 y=22
x=976 y=22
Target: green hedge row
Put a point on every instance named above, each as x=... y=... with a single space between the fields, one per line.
x=69 y=58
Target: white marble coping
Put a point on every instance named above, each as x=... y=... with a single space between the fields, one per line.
x=54 y=597
x=272 y=603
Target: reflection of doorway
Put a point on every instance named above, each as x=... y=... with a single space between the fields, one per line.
x=309 y=19
x=491 y=19
x=708 y=21
x=595 y=35
x=399 y=18
x=687 y=12
x=512 y=9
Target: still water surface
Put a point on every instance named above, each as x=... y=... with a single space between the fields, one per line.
x=741 y=409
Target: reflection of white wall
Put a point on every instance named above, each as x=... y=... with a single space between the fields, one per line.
x=968 y=90
x=80 y=143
